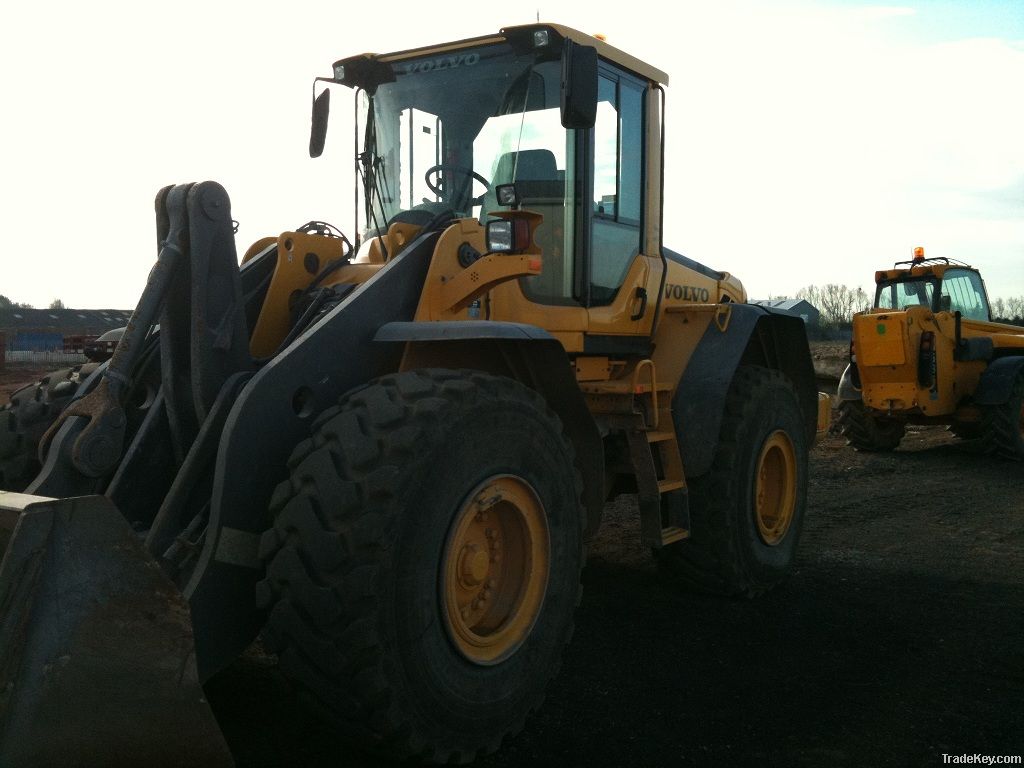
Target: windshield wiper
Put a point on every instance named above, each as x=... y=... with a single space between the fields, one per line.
x=374 y=174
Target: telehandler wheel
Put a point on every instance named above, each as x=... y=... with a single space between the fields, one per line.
x=966 y=430
x=1002 y=426
x=747 y=512
x=25 y=419
x=424 y=563
x=866 y=432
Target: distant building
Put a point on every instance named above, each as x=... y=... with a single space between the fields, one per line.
x=799 y=307
x=45 y=330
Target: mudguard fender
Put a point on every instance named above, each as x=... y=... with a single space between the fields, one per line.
x=753 y=336
x=532 y=356
x=849 y=385
x=997 y=379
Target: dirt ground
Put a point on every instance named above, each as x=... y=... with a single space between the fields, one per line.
x=897 y=639
x=13 y=376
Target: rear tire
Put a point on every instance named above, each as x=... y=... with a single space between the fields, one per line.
x=381 y=552
x=866 y=432
x=1002 y=426
x=25 y=419
x=747 y=512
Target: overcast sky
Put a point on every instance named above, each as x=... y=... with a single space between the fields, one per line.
x=808 y=142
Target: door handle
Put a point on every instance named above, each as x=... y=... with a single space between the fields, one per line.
x=641 y=293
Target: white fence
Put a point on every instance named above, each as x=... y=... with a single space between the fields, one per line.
x=45 y=358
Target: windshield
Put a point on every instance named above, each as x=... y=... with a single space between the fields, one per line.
x=960 y=290
x=907 y=292
x=452 y=126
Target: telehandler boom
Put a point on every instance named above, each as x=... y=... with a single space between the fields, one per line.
x=385 y=455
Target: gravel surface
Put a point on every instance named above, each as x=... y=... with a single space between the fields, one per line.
x=897 y=639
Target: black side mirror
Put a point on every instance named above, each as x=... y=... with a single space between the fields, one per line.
x=579 y=85
x=318 y=130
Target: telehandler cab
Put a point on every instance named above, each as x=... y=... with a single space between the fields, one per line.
x=385 y=455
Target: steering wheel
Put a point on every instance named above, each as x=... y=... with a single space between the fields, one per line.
x=438 y=188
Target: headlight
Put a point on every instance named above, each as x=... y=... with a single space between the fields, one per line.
x=508 y=235
x=500 y=236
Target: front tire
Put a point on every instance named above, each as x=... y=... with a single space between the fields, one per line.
x=424 y=563
x=866 y=432
x=1002 y=426
x=747 y=512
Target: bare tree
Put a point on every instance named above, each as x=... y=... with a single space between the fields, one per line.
x=836 y=303
x=1015 y=308
x=998 y=309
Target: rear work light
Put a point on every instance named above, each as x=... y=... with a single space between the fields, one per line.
x=507 y=195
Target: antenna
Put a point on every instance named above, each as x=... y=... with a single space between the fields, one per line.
x=538 y=15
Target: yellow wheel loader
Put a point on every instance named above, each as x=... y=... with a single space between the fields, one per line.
x=928 y=353
x=385 y=454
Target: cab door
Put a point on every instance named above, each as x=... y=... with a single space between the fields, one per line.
x=618 y=266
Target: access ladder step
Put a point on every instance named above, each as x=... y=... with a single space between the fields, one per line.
x=673 y=534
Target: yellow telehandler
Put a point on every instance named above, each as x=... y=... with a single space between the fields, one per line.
x=384 y=455
x=929 y=353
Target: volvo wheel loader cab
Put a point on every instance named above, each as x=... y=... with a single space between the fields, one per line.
x=928 y=353
x=385 y=454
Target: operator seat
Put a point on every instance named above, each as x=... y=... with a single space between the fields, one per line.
x=541 y=188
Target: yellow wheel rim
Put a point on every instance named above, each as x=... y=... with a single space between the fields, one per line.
x=775 y=494
x=495 y=570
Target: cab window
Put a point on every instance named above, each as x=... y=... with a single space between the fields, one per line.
x=618 y=184
x=901 y=294
x=963 y=292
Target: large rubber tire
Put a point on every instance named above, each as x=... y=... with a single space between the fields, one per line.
x=25 y=419
x=758 y=476
x=355 y=561
x=1002 y=426
x=866 y=432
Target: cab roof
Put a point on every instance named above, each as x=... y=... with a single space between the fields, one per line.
x=604 y=50
x=921 y=268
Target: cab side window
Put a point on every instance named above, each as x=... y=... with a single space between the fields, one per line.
x=963 y=292
x=618 y=184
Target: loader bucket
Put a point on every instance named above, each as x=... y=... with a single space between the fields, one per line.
x=97 y=664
